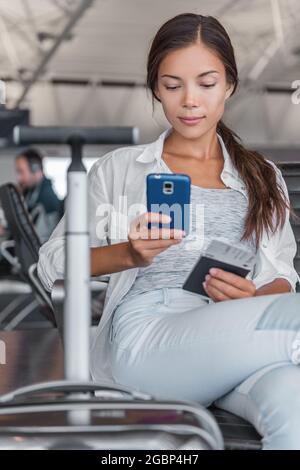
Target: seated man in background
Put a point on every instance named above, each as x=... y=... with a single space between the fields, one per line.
x=42 y=203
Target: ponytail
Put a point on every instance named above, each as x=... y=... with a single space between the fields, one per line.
x=267 y=201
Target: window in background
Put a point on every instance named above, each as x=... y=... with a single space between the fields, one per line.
x=56 y=169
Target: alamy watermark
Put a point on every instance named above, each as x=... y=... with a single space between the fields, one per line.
x=119 y=222
x=295 y=97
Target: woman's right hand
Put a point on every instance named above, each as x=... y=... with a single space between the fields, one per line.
x=144 y=244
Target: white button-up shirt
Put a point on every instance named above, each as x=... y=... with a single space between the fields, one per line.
x=122 y=172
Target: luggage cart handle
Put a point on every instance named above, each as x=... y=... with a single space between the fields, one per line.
x=66 y=386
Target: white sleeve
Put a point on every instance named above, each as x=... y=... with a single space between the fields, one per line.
x=52 y=253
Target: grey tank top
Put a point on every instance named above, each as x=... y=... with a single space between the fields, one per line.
x=214 y=213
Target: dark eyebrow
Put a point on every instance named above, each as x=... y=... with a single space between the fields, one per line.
x=200 y=74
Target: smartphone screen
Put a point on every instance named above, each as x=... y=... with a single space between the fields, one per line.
x=169 y=193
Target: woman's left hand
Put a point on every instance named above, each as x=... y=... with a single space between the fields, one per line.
x=221 y=285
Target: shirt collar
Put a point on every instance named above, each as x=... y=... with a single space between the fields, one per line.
x=154 y=150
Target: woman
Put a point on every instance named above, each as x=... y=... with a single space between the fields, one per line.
x=238 y=347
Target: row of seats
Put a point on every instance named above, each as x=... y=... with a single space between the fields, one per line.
x=291 y=174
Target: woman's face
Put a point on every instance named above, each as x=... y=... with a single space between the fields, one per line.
x=200 y=89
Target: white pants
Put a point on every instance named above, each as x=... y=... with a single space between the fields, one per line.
x=242 y=355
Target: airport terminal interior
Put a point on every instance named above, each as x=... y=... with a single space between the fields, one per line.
x=80 y=126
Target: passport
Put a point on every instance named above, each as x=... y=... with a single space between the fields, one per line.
x=219 y=255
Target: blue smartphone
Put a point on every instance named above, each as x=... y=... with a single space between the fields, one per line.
x=169 y=193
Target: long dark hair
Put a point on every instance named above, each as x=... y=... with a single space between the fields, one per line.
x=266 y=197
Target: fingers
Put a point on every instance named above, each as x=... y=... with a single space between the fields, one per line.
x=154 y=243
x=143 y=219
x=158 y=239
x=156 y=234
x=233 y=279
x=231 y=288
x=228 y=290
x=214 y=293
x=139 y=228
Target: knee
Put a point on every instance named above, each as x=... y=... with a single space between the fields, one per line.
x=281 y=314
x=277 y=399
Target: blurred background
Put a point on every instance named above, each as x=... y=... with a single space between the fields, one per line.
x=74 y=62
x=83 y=63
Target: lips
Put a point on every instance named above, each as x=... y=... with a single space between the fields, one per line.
x=191 y=118
x=191 y=121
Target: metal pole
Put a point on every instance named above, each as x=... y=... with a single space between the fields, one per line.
x=77 y=307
